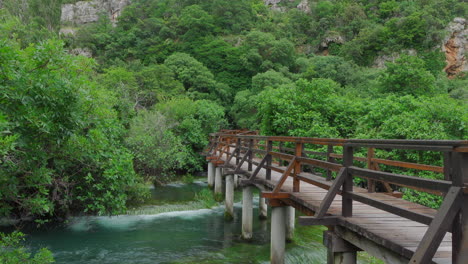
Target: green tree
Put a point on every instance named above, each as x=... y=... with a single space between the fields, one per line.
x=408 y=75
x=195 y=120
x=197 y=80
x=298 y=111
x=195 y=22
x=157 y=150
x=66 y=156
x=271 y=78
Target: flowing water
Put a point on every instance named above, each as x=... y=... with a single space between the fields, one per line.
x=171 y=236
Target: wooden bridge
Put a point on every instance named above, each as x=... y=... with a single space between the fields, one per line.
x=318 y=177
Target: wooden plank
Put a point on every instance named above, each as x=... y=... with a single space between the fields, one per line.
x=320 y=163
x=402 y=180
x=325 y=221
x=409 y=165
x=282 y=156
x=403 y=146
x=438 y=228
x=278 y=195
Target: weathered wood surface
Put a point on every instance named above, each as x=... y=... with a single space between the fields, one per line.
x=393 y=232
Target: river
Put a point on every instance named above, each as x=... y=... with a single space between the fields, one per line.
x=170 y=231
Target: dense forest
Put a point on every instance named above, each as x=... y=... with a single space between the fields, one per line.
x=83 y=135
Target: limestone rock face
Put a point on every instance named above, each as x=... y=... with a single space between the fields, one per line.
x=84 y=12
x=304 y=6
x=455 y=46
x=274 y=5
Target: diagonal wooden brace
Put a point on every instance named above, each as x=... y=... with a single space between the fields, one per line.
x=332 y=192
x=232 y=155
x=237 y=169
x=259 y=166
x=285 y=175
x=439 y=226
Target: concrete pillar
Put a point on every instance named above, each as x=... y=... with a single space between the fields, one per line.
x=345 y=258
x=278 y=234
x=247 y=212
x=290 y=221
x=229 y=201
x=211 y=174
x=262 y=206
x=218 y=181
x=236 y=181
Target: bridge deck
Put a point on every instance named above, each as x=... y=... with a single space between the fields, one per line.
x=400 y=235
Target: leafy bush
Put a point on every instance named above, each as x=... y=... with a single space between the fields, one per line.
x=158 y=151
x=13 y=252
x=62 y=150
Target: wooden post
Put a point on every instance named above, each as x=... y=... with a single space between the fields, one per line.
x=329 y=159
x=297 y=168
x=239 y=145
x=370 y=166
x=459 y=169
x=269 y=148
x=251 y=143
x=228 y=142
x=448 y=166
x=347 y=201
x=219 y=147
x=280 y=161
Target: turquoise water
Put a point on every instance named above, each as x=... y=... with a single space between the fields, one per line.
x=190 y=236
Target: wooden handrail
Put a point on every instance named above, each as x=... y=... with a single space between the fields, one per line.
x=454 y=187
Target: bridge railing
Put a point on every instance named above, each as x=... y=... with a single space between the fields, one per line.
x=294 y=153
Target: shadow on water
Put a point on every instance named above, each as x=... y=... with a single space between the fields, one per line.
x=191 y=236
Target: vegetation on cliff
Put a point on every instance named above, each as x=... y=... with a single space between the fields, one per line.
x=77 y=133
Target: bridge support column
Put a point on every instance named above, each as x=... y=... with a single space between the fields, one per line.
x=263 y=209
x=229 y=200
x=340 y=251
x=218 y=187
x=290 y=221
x=236 y=181
x=345 y=258
x=247 y=212
x=278 y=234
x=211 y=174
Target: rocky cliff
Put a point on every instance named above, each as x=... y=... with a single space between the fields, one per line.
x=455 y=47
x=83 y=12
x=275 y=5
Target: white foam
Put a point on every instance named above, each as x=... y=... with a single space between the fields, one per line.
x=125 y=222
x=201 y=183
x=80 y=224
x=176 y=185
